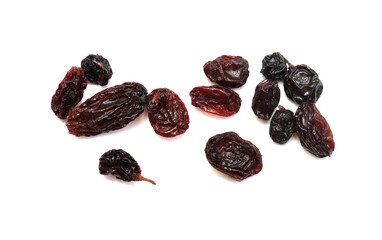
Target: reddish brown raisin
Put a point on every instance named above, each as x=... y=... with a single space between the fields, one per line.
x=227 y=71
x=69 y=92
x=167 y=113
x=110 y=109
x=122 y=165
x=303 y=84
x=266 y=99
x=313 y=130
x=97 y=69
x=234 y=156
x=219 y=100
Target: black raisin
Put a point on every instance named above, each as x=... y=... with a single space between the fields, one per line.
x=282 y=125
x=97 y=69
x=274 y=66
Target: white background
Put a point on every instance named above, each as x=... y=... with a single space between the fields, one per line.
x=49 y=182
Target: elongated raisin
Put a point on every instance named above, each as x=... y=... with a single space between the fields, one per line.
x=266 y=99
x=110 y=109
x=274 y=67
x=167 y=113
x=234 y=156
x=282 y=125
x=122 y=165
x=303 y=84
x=227 y=71
x=219 y=100
x=313 y=130
x=97 y=69
x=69 y=92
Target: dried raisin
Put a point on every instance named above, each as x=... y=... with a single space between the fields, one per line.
x=234 y=156
x=227 y=71
x=219 y=100
x=69 y=92
x=97 y=69
x=110 y=109
x=282 y=125
x=167 y=113
x=313 y=130
x=266 y=99
x=274 y=66
x=122 y=165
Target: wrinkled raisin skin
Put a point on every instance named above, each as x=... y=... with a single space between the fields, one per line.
x=122 y=165
x=282 y=127
x=69 y=92
x=234 y=156
x=303 y=84
x=313 y=130
x=266 y=99
x=167 y=113
x=227 y=71
x=274 y=67
x=218 y=100
x=97 y=69
x=110 y=109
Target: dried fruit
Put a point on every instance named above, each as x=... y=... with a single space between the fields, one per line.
x=97 y=69
x=219 y=100
x=303 y=84
x=167 y=113
x=110 y=109
x=282 y=125
x=234 y=156
x=122 y=165
x=266 y=99
x=313 y=130
x=274 y=67
x=227 y=71
x=69 y=92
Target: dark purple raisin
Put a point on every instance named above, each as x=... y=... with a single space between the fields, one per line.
x=274 y=67
x=122 y=165
x=303 y=84
x=234 y=156
x=313 y=130
x=282 y=125
x=227 y=71
x=219 y=100
x=167 y=113
x=110 y=109
x=97 y=69
x=266 y=99
x=69 y=92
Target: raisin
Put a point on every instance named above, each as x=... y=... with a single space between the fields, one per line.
x=227 y=71
x=122 y=165
x=234 y=156
x=282 y=125
x=110 y=109
x=303 y=84
x=167 y=113
x=275 y=67
x=219 y=100
x=69 y=92
x=97 y=69
x=266 y=99
x=313 y=130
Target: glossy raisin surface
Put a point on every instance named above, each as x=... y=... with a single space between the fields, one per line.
x=282 y=125
x=167 y=113
x=97 y=69
x=313 y=130
x=234 y=156
x=266 y=99
x=274 y=67
x=69 y=92
x=122 y=165
x=227 y=71
x=303 y=84
x=218 y=100
x=110 y=109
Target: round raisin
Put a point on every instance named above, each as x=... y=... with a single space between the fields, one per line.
x=282 y=125
x=274 y=67
x=97 y=69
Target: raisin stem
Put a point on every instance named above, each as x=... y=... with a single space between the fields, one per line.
x=141 y=178
x=289 y=64
x=281 y=107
